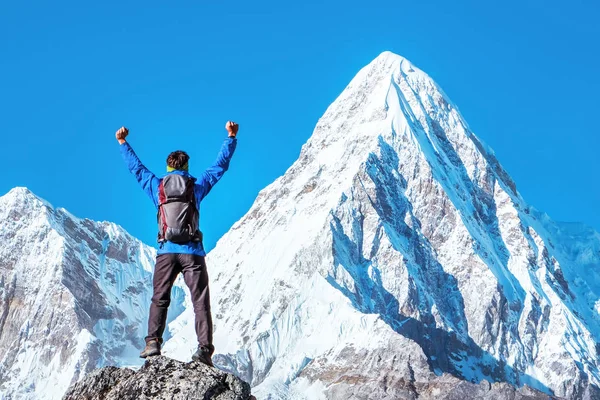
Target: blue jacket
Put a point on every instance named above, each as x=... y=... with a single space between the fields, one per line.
x=204 y=184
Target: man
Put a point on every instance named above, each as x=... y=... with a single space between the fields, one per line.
x=177 y=197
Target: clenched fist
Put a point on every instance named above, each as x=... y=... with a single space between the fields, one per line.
x=122 y=134
x=232 y=128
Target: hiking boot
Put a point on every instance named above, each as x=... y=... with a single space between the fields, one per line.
x=152 y=349
x=203 y=355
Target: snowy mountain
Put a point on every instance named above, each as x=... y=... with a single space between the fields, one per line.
x=74 y=295
x=396 y=258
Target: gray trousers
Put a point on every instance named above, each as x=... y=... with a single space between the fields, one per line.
x=168 y=266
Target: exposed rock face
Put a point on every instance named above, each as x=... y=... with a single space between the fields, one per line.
x=160 y=378
x=74 y=295
x=397 y=370
x=397 y=249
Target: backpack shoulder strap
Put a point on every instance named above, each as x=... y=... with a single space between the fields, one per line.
x=160 y=215
x=190 y=189
x=162 y=197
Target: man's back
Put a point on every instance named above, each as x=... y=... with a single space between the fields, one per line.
x=178 y=213
x=203 y=185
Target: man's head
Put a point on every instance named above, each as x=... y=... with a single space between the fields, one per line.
x=177 y=160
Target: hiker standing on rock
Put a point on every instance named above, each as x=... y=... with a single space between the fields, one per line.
x=177 y=197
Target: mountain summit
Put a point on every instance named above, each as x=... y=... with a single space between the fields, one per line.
x=395 y=258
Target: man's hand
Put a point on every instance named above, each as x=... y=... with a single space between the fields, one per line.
x=122 y=134
x=232 y=128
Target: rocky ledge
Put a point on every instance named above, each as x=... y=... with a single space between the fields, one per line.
x=160 y=378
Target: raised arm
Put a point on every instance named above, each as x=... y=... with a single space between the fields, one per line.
x=145 y=178
x=212 y=175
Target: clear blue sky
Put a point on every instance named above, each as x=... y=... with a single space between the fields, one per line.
x=523 y=73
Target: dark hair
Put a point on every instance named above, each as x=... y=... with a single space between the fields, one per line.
x=177 y=159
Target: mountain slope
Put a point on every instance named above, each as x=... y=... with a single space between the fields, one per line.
x=74 y=296
x=397 y=249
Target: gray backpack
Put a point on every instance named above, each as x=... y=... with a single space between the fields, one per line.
x=178 y=216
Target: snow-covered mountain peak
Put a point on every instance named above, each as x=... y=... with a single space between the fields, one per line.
x=31 y=211
x=20 y=191
x=22 y=198
x=74 y=295
x=398 y=238
x=392 y=100
x=388 y=64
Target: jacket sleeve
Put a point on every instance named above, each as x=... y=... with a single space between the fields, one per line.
x=147 y=180
x=212 y=175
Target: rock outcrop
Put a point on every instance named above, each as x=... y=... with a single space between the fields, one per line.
x=160 y=378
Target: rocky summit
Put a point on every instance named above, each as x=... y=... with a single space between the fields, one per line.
x=160 y=378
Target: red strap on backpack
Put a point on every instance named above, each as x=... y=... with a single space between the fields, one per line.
x=162 y=220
